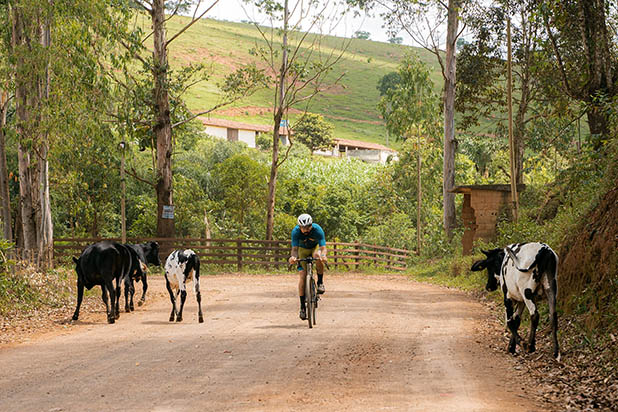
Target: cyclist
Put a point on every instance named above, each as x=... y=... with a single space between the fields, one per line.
x=308 y=240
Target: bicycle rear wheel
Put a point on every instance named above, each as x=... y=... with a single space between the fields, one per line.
x=308 y=297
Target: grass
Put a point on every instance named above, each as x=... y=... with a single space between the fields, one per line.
x=350 y=106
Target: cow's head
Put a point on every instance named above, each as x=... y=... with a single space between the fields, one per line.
x=151 y=250
x=492 y=263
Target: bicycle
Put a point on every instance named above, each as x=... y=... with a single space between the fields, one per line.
x=311 y=292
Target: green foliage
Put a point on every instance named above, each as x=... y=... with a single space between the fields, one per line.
x=397 y=230
x=362 y=34
x=388 y=82
x=314 y=132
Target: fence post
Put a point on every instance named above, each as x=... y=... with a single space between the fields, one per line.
x=335 y=253
x=239 y=254
x=357 y=253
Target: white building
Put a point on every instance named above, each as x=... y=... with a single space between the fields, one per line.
x=239 y=132
x=369 y=152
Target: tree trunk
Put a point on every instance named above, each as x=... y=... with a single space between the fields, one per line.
x=272 y=182
x=277 y=116
x=450 y=144
x=26 y=94
x=46 y=228
x=7 y=231
x=163 y=125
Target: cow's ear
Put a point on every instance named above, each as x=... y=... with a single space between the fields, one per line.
x=75 y=260
x=486 y=253
x=479 y=265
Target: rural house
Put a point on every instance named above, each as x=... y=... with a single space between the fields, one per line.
x=239 y=132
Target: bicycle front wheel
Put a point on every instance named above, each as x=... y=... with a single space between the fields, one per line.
x=308 y=297
x=314 y=299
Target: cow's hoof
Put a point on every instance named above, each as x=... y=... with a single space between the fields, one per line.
x=172 y=318
x=127 y=310
x=132 y=308
x=531 y=348
x=75 y=317
x=179 y=319
x=140 y=303
x=201 y=319
x=111 y=320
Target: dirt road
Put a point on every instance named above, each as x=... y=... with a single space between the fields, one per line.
x=380 y=343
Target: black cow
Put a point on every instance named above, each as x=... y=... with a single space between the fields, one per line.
x=133 y=269
x=147 y=253
x=101 y=264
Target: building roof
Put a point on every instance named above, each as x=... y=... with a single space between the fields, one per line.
x=357 y=144
x=495 y=188
x=230 y=124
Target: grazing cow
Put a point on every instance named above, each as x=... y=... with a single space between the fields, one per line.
x=147 y=253
x=524 y=271
x=101 y=264
x=180 y=267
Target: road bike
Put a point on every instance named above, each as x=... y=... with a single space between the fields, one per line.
x=311 y=291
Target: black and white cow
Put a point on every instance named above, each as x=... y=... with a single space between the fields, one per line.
x=181 y=267
x=102 y=264
x=524 y=271
x=148 y=253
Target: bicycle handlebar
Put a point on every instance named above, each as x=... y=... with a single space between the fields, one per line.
x=311 y=259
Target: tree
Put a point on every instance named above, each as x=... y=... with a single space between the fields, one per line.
x=361 y=34
x=395 y=40
x=583 y=57
x=388 y=81
x=300 y=67
x=314 y=132
x=160 y=120
x=411 y=111
x=412 y=16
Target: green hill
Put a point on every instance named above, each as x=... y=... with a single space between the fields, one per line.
x=349 y=105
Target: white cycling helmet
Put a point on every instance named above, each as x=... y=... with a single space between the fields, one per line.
x=304 y=220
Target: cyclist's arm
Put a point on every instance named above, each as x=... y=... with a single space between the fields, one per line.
x=323 y=253
x=293 y=255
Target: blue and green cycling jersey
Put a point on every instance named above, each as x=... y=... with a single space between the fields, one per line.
x=308 y=241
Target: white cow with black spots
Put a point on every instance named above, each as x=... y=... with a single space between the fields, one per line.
x=525 y=271
x=182 y=266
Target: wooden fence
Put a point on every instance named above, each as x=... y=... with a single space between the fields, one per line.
x=246 y=253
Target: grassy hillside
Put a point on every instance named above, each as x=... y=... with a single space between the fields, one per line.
x=350 y=106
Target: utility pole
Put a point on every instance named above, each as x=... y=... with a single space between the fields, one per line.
x=124 y=194
x=509 y=88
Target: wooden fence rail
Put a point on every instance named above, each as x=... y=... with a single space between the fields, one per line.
x=249 y=252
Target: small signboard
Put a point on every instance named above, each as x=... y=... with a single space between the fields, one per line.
x=283 y=123
x=168 y=212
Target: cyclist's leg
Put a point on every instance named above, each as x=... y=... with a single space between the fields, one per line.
x=319 y=266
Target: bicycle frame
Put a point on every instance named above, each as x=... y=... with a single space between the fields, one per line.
x=311 y=293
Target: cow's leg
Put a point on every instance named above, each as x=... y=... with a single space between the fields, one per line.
x=80 y=297
x=198 y=296
x=109 y=306
x=534 y=323
x=172 y=299
x=127 y=292
x=534 y=313
x=144 y=289
x=131 y=294
x=183 y=298
x=513 y=320
x=116 y=298
x=552 y=292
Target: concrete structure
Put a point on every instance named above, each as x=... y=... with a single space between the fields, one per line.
x=480 y=210
x=369 y=152
x=239 y=132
